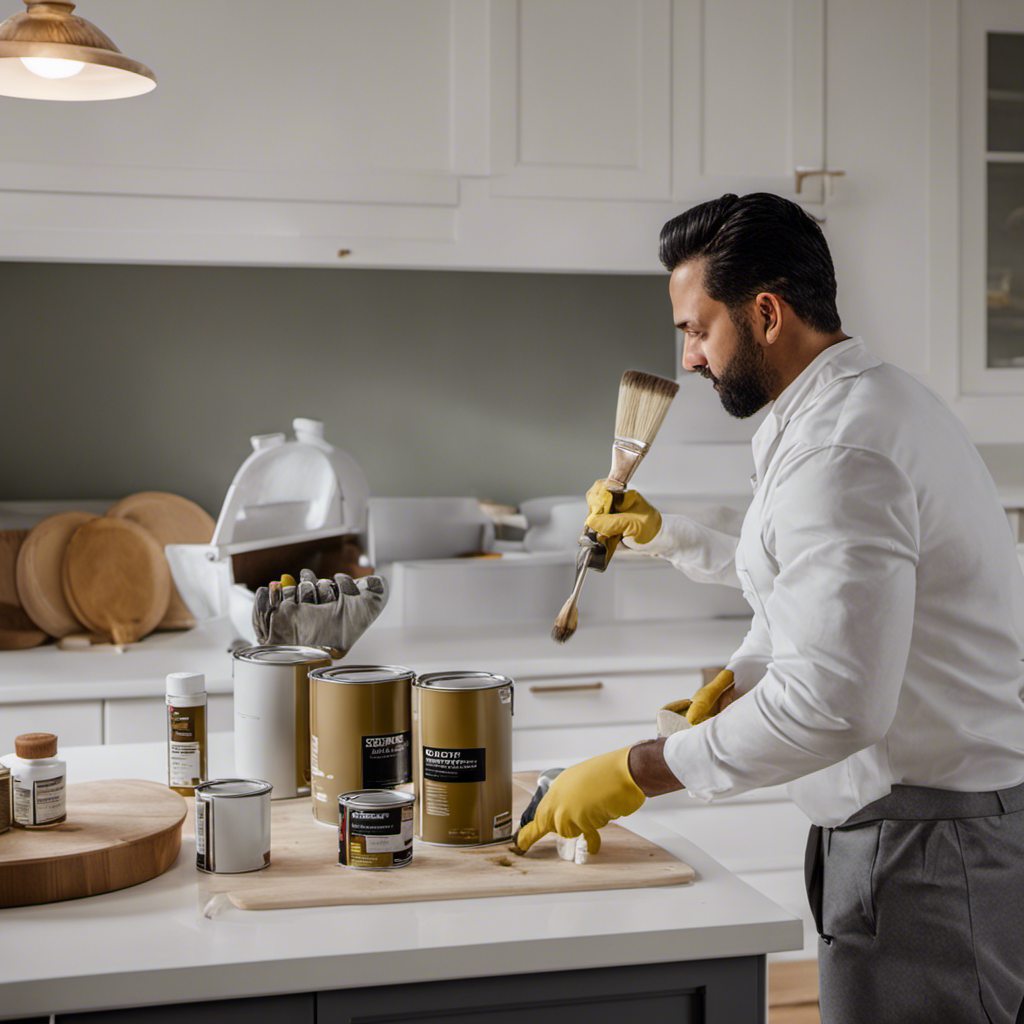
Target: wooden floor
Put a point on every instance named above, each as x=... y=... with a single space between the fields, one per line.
x=793 y=992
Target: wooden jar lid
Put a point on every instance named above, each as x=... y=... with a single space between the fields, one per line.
x=39 y=570
x=116 y=579
x=170 y=519
x=34 y=745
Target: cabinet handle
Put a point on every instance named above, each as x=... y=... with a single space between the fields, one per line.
x=567 y=687
x=807 y=172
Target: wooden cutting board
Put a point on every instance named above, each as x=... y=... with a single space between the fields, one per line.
x=39 y=570
x=304 y=869
x=118 y=833
x=169 y=519
x=116 y=579
x=17 y=630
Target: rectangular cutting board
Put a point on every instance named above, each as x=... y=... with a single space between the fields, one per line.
x=304 y=869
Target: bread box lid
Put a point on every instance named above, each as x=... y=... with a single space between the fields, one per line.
x=288 y=491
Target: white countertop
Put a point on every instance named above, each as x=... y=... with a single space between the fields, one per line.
x=517 y=650
x=151 y=944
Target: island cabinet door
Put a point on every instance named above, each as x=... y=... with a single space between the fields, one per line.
x=286 y=1009
x=728 y=990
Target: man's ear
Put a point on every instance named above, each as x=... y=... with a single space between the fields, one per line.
x=769 y=314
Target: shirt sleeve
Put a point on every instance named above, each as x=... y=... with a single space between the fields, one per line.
x=844 y=532
x=701 y=544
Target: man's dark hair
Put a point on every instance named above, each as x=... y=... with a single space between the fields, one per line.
x=757 y=243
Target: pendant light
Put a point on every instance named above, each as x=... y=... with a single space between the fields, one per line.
x=48 y=53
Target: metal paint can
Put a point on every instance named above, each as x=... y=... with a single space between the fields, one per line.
x=375 y=829
x=462 y=758
x=232 y=826
x=360 y=732
x=272 y=714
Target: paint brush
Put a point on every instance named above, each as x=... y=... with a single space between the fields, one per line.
x=643 y=404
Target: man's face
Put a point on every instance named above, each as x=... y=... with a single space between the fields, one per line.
x=716 y=346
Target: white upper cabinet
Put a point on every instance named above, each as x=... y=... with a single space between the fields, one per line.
x=509 y=134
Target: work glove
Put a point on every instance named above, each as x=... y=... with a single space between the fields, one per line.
x=330 y=613
x=707 y=701
x=632 y=517
x=583 y=799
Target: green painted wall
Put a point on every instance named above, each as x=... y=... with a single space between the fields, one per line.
x=498 y=385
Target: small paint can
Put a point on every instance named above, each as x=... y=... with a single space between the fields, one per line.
x=360 y=732
x=375 y=829
x=462 y=758
x=232 y=826
x=271 y=683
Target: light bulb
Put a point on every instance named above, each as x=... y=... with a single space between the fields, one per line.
x=52 y=67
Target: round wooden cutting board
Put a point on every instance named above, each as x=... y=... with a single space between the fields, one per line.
x=39 y=570
x=116 y=579
x=118 y=833
x=17 y=630
x=171 y=519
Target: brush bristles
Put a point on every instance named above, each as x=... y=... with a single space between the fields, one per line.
x=565 y=624
x=644 y=399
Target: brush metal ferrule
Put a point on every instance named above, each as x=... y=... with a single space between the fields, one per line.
x=627 y=454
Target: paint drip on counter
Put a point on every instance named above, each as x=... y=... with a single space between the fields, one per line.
x=375 y=829
x=462 y=758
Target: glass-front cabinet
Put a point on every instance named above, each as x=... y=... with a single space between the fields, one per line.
x=992 y=199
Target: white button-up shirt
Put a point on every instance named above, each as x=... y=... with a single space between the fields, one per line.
x=887 y=637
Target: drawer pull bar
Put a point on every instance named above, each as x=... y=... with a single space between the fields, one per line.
x=567 y=687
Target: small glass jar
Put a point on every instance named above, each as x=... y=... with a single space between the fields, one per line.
x=38 y=779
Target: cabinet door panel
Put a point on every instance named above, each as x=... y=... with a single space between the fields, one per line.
x=748 y=91
x=580 y=99
x=77 y=723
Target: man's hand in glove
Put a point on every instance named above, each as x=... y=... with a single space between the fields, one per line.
x=707 y=701
x=633 y=516
x=583 y=799
x=320 y=613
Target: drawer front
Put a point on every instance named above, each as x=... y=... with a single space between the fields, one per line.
x=600 y=699
x=559 y=748
x=75 y=723
x=141 y=719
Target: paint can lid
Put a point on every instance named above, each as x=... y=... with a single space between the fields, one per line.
x=185 y=684
x=362 y=673
x=462 y=681
x=283 y=654
x=33 y=746
x=232 y=787
x=370 y=798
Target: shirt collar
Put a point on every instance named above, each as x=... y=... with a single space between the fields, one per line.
x=847 y=358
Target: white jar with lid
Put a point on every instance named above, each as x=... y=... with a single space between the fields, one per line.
x=38 y=780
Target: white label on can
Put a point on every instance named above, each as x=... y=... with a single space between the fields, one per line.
x=314 y=758
x=386 y=844
x=23 y=806
x=185 y=764
x=201 y=818
x=49 y=799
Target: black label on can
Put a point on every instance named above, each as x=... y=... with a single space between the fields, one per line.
x=387 y=760
x=463 y=764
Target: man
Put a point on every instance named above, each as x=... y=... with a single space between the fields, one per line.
x=881 y=676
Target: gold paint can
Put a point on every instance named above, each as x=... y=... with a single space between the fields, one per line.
x=375 y=829
x=360 y=732
x=462 y=758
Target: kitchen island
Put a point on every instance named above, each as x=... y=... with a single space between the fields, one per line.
x=690 y=953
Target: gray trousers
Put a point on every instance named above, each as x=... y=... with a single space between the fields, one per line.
x=918 y=899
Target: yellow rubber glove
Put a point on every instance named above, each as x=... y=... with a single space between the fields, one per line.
x=706 y=702
x=633 y=517
x=583 y=799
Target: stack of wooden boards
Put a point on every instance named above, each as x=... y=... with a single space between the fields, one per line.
x=106 y=575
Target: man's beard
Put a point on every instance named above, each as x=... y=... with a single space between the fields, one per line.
x=747 y=384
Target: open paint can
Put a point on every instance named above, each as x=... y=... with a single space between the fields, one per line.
x=375 y=829
x=462 y=758
x=232 y=826
x=360 y=732
x=272 y=714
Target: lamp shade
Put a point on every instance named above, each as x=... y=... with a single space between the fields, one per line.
x=48 y=53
